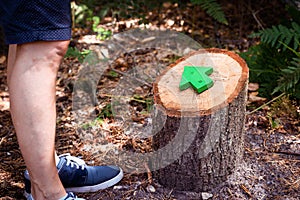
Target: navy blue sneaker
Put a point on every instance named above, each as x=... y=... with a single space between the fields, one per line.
x=70 y=196
x=76 y=176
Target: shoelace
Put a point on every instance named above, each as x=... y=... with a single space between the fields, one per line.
x=74 y=161
x=71 y=196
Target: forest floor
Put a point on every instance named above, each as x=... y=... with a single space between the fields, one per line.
x=271 y=165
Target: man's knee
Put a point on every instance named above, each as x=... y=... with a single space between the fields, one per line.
x=61 y=47
x=50 y=48
x=43 y=52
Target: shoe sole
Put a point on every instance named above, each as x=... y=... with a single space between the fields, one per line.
x=100 y=186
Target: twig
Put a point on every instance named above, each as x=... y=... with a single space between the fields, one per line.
x=287 y=153
x=170 y=193
x=262 y=106
x=255 y=17
x=243 y=187
x=229 y=191
x=148 y=173
x=257 y=20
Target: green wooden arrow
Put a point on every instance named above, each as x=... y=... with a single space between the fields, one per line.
x=197 y=77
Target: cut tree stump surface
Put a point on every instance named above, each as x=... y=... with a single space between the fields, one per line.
x=200 y=136
x=229 y=76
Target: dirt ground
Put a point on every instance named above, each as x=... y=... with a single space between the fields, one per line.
x=270 y=169
x=271 y=165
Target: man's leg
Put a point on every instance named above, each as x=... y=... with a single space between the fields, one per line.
x=32 y=70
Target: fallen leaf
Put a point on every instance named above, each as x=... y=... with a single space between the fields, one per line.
x=252 y=87
x=2 y=59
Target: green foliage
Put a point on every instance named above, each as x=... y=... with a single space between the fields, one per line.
x=212 y=8
x=279 y=35
x=83 y=16
x=95 y=123
x=275 y=70
x=284 y=106
x=266 y=65
x=147 y=102
x=112 y=74
x=106 y=112
x=293 y=11
x=289 y=81
x=139 y=8
x=275 y=62
x=123 y=8
x=80 y=13
x=102 y=33
x=75 y=53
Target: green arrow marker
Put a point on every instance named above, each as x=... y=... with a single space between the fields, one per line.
x=197 y=77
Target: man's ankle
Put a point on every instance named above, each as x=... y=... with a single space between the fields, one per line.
x=50 y=195
x=46 y=191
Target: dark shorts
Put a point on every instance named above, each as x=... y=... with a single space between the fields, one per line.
x=35 y=20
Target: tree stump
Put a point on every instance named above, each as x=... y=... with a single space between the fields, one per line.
x=202 y=133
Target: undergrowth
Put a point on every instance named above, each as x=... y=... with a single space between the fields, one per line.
x=124 y=9
x=282 y=109
x=275 y=62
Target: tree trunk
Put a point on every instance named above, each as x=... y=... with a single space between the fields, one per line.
x=202 y=133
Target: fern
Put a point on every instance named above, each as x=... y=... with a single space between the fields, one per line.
x=290 y=77
x=271 y=65
x=277 y=35
x=266 y=65
x=212 y=8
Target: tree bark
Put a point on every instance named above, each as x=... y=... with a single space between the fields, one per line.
x=204 y=130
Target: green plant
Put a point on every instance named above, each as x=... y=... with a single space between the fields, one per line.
x=102 y=33
x=281 y=109
x=106 y=112
x=275 y=70
x=80 y=12
x=289 y=81
x=212 y=8
x=112 y=74
x=75 y=53
x=279 y=36
x=83 y=15
x=147 y=102
x=275 y=62
x=123 y=8
x=94 y=123
x=140 y=8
